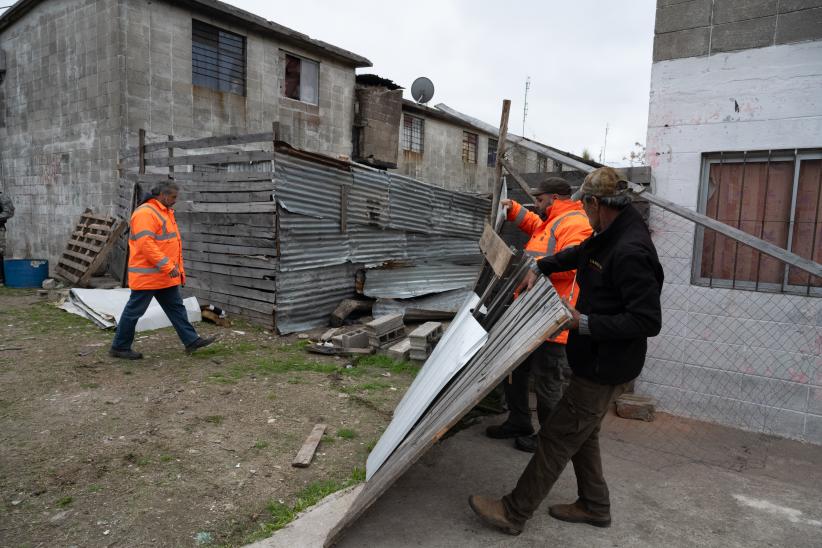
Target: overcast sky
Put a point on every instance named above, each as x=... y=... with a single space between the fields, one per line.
x=589 y=60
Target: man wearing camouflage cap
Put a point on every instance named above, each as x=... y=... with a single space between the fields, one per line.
x=620 y=282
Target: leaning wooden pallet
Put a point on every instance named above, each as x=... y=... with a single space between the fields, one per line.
x=88 y=247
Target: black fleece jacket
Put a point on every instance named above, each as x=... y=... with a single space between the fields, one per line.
x=620 y=281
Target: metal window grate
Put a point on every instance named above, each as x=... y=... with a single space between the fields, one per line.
x=413 y=133
x=773 y=195
x=469 y=147
x=217 y=58
x=492 y=152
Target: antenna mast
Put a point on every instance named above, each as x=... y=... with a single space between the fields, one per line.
x=525 y=103
x=604 y=144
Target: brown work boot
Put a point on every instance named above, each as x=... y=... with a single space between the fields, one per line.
x=492 y=512
x=578 y=513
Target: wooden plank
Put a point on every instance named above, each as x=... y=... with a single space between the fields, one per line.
x=226 y=186
x=65 y=261
x=247 y=207
x=265 y=319
x=88 y=235
x=204 y=237
x=266 y=284
x=80 y=256
x=265 y=220
x=218 y=141
x=228 y=249
x=496 y=251
x=517 y=177
x=241 y=230
x=210 y=283
x=306 y=452
x=240 y=302
x=267 y=263
x=224 y=176
x=102 y=255
x=503 y=136
x=94 y=248
x=61 y=272
x=231 y=270
x=238 y=196
x=216 y=158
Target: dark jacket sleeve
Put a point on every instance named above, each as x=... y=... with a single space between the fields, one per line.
x=635 y=277
x=560 y=262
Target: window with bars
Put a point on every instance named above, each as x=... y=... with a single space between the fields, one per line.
x=302 y=78
x=413 y=133
x=542 y=163
x=469 y=147
x=774 y=196
x=217 y=58
x=492 y=152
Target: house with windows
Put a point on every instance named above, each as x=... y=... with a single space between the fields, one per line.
x=735 y=133
x=79 y=79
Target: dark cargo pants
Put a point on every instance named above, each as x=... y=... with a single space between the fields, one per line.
x=571 y=432
x=547 y=364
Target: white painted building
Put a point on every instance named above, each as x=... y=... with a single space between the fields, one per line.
x=735 y=132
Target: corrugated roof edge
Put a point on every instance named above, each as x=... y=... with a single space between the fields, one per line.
x=16 y=11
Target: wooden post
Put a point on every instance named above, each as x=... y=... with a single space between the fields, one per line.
x=141 y=150
x=170 y=155
x=503 y=136
x=517 y=178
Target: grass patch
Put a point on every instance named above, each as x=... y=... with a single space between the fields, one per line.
x=263 y=366
x=327 y=439
x=143 y=461
x=370 y=445
x=346 y=434
x=379 y=361
x=94 y=488
x=63 y=502
x=89 y=385
x=260 y=444
x=215 y=419
x=280 y=514
x=166 y=458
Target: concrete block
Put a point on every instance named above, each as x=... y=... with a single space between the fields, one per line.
x=686 y=15
x=799 y=26
x=354 y=339
x=729 y=11
x=636 y=407
x=754 y=33
x=400 y=351
x=684 y=43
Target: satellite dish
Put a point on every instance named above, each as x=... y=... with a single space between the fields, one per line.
x=422 y=90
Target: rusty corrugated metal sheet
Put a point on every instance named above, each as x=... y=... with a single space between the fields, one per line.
x=414 y=281
x=306 y=298
x=309 y=242
x=309 y=189
x=371 y=245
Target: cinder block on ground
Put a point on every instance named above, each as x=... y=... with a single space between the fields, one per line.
x=400 y=351
x=385 y=324
x=355 y=339
x=632 y=406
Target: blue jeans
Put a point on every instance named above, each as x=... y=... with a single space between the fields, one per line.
x=171 y=303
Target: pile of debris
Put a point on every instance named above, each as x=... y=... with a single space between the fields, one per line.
x=384 y=335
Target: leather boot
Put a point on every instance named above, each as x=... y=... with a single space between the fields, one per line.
x=492 y=512
x=579 y=513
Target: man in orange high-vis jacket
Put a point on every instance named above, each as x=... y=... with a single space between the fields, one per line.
x=155 y=271
x=558 y=224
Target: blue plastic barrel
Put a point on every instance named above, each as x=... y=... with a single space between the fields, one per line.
x=25 y=272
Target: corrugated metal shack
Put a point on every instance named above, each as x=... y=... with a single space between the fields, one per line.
x=279 y=236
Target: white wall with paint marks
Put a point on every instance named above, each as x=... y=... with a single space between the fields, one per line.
x=742 y=358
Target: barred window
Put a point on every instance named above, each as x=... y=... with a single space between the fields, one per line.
x=413 y=133
x=542 y=163
x=302 y=77
x=492 y=152
x=217 y=58
x=774 y=196
x=469 y=147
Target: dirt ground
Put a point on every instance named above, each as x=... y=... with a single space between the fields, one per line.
x=173 y=450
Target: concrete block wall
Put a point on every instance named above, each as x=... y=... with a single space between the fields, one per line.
x=689 y=28
x=748 y=359
x=59 y=128
x=160 y=96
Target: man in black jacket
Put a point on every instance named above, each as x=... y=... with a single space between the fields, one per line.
x=620 y=282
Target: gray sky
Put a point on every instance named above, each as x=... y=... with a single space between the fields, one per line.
x=589 y=60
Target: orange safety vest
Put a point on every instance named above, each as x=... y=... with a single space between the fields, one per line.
x=154 y=248
x=566 y=226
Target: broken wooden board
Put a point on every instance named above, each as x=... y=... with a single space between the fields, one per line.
x=88 y=247
x=306 y=452
x=348 y=307
x=496 y=251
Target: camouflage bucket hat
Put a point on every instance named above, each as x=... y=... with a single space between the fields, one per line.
x=602 y=182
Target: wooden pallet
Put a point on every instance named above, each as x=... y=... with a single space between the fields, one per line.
x=90 y=243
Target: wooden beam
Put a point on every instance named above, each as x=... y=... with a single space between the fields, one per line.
x=496 y=252
x=208 y=142
x=517 y=177
x=503 y=136
x=306 y=453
